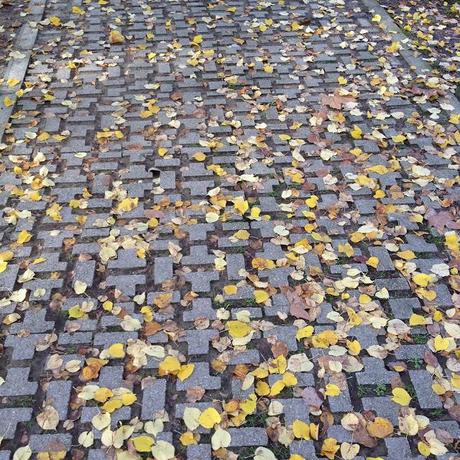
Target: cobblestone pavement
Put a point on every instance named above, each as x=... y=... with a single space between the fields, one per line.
x=10 y=21
x=433 y=27
x=229 y=229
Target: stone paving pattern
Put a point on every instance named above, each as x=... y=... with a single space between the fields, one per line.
x=347 y=162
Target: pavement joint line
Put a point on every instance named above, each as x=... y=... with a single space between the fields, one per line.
x=406 y=53
x=17 y=67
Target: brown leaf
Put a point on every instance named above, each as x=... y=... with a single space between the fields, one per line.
x=300 y=301
x=454 y=412
x=279 y=348
x=335 y=101
x=441 y=219
x=194 y=394
x=380 y=428
x=151 y=328
x=361 y=436
x=312 y=397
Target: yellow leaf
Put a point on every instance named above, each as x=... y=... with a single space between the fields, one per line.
x=241 y=235
x=277 y=388
x=255 y=213
x=185 y=371
x=6 y=256
x=379 y=169
x=153 y=222
x=55 y=21
x=76 y=312
x=422 y=279
x=77 y=10
x=393 y=48
x=240 y=205
x=452 y=241
x=380 y=427
x=312 y=201
x=43 y=136
x=426 y=294
x=268 y=68
x=128 y=398
x=197 y=39
x=289 y=379
x=7 y=101
x=346 y=249
x=127 y=204
x=262 y=388
x=23 y=237
x=373 y=262
x=209 y=417
x=187 y=438
x=329 y=448
x=262 y=264
x=170 y=365
x=249 y=405
x=116 y=37
x=103 y=394
x=238 y=329
x=3 y=266
x=11 y=318
x=356 y=132
x=314 y=431
x=112 y=405
x=438 y=389
x=301 y=430
x=406 y=255
x=332 y=390
x=142 y=443
x=399 y=138
x=116 y=351
x=353 y=318
x=354 y=347
x=261 y=296
x=304 y=332
x=440 y=343
x=12 y=82
x=230 y=289
x=199 y=156
x=401 y=396
x=364 y=299
x=424 y=449
x=417 y=320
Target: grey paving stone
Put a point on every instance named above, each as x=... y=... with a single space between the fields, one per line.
x=200 y=377
x=199 y=452
x=153 y=399
x=58 y=394
x=383 y=406
x=248 y=437
x=422 y=381
x=163 y=269
x=374 y=372
x=50 y=442
x=10 y=417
